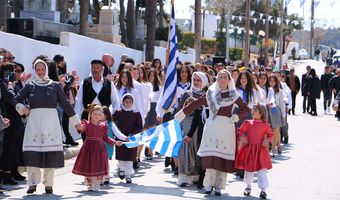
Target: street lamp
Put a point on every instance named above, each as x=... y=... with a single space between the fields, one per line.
x=261 y=37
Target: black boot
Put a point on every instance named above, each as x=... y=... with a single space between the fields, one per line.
x=7 y=179
x=16 y=175
x=200 y=179
x=285 y=140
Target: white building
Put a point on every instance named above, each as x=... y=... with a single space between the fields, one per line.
x=210 y=25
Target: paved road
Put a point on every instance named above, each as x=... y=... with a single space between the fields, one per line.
x=308 y=169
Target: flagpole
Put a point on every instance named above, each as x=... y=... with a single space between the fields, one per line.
x=311 y=32
x=281 y=34
x=168 y=44
x=246 y=49
x=266 y=43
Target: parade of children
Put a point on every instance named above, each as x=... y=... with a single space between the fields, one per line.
x=231 y=119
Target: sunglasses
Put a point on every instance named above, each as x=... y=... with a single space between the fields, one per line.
x=10 y=58
x=18 y=71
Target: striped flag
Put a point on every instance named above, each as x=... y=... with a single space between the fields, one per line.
x=166 y=139
x=170 y=87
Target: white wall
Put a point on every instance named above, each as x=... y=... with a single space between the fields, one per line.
x=210 y=25
x=78 y=51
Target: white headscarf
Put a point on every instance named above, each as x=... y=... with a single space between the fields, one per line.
x=214 y=92
x=204 y=79
x=133 y=103
x=36 y=78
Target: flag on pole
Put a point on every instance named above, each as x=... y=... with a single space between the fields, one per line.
x=170 y=87
x=166 y=139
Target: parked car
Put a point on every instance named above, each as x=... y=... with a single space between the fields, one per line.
x=304 y=55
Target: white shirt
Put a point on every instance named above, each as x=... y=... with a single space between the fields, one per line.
x=288 y=94
x=97 y=86
x=268 y=99
x=279 y=100
x=255 y=99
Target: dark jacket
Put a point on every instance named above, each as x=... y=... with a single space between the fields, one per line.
x=313 y=86
x=334 y=83
x=303 y=84
x=325 y=78
x=297 y=83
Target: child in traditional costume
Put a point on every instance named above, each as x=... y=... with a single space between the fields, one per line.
x=129 y=121
x=254 y=156
x=112 y=131
x=92 y=160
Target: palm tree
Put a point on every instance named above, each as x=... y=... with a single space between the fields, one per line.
x=198 y=5
x=122 y=21
x=84 y=11
x=150 y=20
x=131 y=24
x=161 y=13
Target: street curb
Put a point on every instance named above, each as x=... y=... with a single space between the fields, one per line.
x=72 y=152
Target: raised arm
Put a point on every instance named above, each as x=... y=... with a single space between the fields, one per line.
x=187 y=110
x=65 y=104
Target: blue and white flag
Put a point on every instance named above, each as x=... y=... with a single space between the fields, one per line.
x=168 y=97
x=166 y=139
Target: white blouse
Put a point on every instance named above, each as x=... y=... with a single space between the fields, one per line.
x=268 y=99
x=255 y=99
x=279 y=101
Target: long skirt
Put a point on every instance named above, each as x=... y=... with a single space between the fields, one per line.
x=187 y=153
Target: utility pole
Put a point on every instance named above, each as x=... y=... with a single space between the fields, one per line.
x=281 y=34
x=246 y=49
x=227 y=31
x=311 y=42
x=266 y=43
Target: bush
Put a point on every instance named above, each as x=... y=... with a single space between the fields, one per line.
x=235 y=54
x=188 y=40
x=162 y=33
x=208 y=46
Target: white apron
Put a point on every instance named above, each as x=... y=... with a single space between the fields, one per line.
x=43 y=132
x=218 y=138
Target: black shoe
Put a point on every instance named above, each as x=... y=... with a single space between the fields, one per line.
x=208 y=191
x=167 y=161
x=176 y=171
x=17 y=176
x=128 y=180
x=135 y=164
x=199 y=185
x=48 y=190
x=106 y=182
x=184 y=185
x=121 y=175
x=247 y=192
x=31 y=189
x=146 y=152
x=263 y=195
x=8 y=180
x=285 y=140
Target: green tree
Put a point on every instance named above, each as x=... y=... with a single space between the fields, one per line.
x=220 y=36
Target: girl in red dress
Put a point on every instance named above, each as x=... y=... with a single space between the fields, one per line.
x=254 y=156
x=92 y=160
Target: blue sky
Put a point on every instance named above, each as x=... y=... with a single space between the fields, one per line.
x=325 y=15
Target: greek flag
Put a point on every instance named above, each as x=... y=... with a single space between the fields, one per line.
x=170 y=87
x=166 y=139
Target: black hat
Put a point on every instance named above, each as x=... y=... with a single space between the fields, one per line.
x=20 y=65
x=96 y=62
